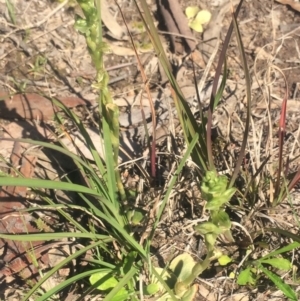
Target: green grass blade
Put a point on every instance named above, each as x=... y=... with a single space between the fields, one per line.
x=110 y=164
x=220 y=91
x=48 y=184
x=59 y=266
x=285 y=249
x=59 y=208
x=278 y=263
x=113 y=218
x=66 y=283
x=54 y=236
x=164 y=284
x=83 y=165
x=187 y=120
x=285 y=288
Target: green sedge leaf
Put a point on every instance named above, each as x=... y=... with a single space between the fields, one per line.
x=11 y=11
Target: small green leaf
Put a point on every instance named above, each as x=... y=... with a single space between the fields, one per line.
x=287 y=248
x=279 y=263
x=232 y=275
x=135 y=216
x=285 y=288
x=224 y=260
x=191 y=11
x=151 y=289
x=245 y=277
x=108 y=281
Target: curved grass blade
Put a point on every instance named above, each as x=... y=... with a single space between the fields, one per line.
x=59 y=266
x=66 y=283
x=285 y=249
x=49 y=184
x=187 y=120
x=66 y=152
x=113 y=220
x=52 y=236
x=285 y=288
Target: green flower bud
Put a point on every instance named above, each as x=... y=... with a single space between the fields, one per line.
x=214 y=187
x=217 y=200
